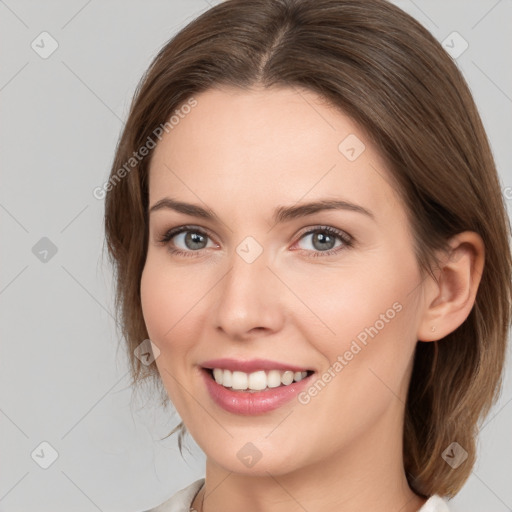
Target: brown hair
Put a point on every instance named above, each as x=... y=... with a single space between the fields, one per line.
x=387 y=72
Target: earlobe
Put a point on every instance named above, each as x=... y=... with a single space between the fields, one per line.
x=449 y=300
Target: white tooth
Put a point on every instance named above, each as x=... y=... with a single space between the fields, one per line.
x=274 y=378
x=227 y=378
x=239 y=380
x=257 y=380
x=217 y=375
x=287 y=377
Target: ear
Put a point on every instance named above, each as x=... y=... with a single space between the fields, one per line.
x=449 y=300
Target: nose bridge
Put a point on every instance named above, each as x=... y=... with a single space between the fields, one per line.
x=248 y=296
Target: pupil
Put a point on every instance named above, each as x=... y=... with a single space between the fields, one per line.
x=323 y=239
x=194 y=238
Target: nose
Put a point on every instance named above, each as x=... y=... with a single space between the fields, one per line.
x=249 y=299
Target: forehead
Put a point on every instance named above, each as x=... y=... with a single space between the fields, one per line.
x=268 y=146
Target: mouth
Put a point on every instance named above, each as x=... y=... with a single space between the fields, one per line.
x=258 y=381
x=255 y=393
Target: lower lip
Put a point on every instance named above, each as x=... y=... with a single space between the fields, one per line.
x=248 y=404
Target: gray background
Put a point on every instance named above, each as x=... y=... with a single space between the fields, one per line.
x=64 y=381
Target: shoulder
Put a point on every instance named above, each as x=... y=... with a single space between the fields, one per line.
x=180 y=501
x=434 y=504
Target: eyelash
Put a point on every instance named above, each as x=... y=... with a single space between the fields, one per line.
x=347 y=240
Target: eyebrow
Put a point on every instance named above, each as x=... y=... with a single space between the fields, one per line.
x=281 y=213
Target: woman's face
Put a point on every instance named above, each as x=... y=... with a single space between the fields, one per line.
x=261 y=278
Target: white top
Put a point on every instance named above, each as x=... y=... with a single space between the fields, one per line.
x=182 y=501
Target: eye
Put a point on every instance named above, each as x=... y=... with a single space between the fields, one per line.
x=192 y=238
x=323 y=241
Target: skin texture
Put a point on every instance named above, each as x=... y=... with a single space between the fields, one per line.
x=242 y=154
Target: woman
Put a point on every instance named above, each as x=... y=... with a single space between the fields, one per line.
x=344 y=377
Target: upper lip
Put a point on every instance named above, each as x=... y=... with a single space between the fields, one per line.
x=251 y=365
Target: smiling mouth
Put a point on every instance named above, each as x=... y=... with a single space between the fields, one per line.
x=261 y=380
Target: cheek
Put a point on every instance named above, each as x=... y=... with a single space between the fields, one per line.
x=160 y=306
x=169 y=299
x=151 y=301
x=165 y=317
x=376 y=326
x=337 y=304
x=366 y=315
